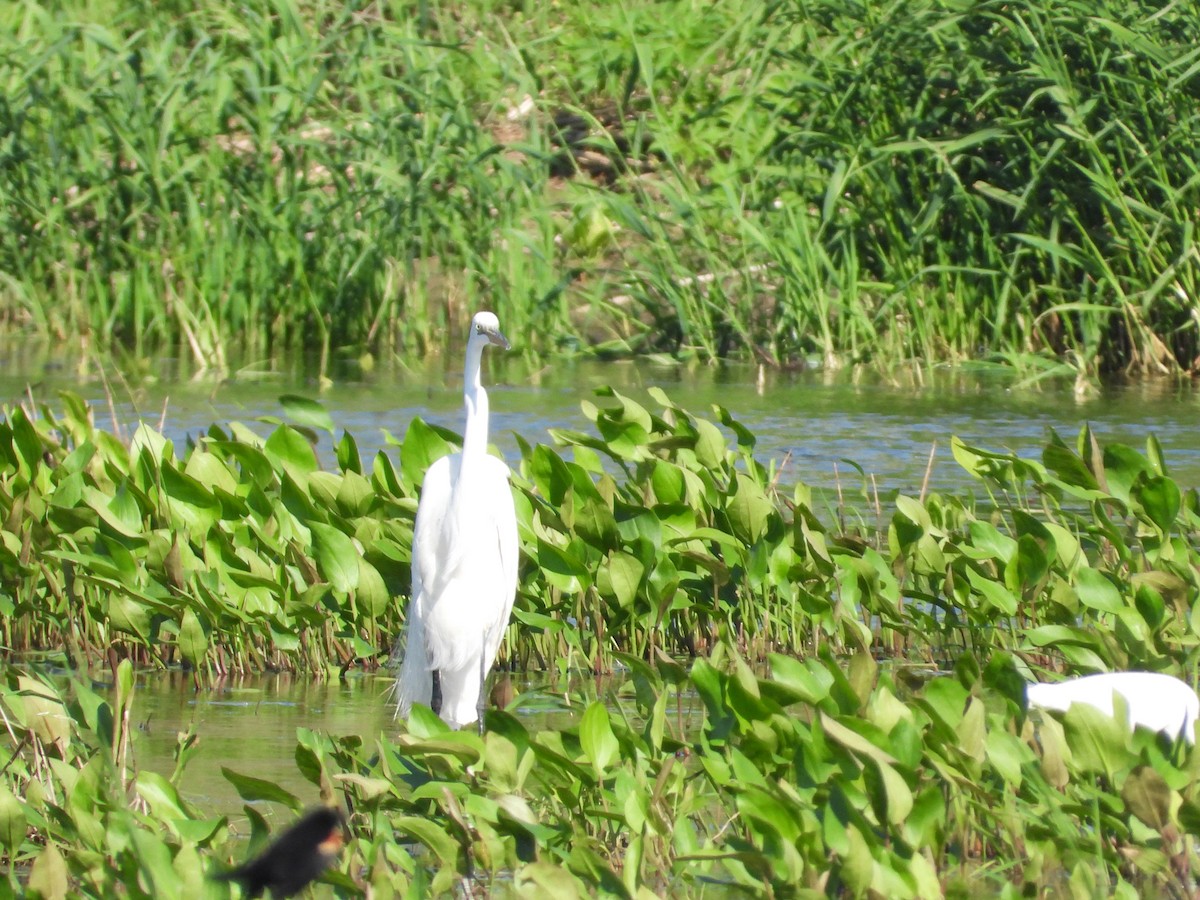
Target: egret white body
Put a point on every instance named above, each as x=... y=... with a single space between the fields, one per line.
x=1153 y=700
x=464 y=562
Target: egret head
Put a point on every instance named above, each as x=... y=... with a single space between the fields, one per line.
x=486 y=327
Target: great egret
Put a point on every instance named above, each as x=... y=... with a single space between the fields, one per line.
x=464 y=562
x=1152 y=700
x=295 y=858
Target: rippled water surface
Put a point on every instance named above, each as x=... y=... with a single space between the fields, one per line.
x=816 y=421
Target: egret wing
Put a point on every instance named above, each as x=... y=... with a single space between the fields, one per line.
x=415 y=684
x=503 y=525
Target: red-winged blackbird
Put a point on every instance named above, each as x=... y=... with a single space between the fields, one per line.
x=295 y=858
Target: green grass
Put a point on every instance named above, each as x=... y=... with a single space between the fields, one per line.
x=834 y=181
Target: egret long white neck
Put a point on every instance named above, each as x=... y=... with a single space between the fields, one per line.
x=475 y=434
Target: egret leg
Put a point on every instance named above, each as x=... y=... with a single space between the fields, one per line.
x=481 y=704
x=435 y=696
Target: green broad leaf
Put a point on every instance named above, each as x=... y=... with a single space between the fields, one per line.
x=1055 y=753
x=893 y=799
x=858 y=866
x=190 y=870
x=619 y=578
x=861 y=672
x=927 y=817
x=48 y=878
x=972 y=730
x=348 y=457
x=710 y=445
x=549 y=474
x=1099 y=743
x=253 y=465
x=549 y=879
x=253 y=790
x=199 y=831
x=1167 y=585
x=288 y=448
x=12 y=821
x=667 y=482
x=193 y=637
x=422 y=445
x=306 y=413
x=745 y=437
x=997 y=596
x=1097 y=592
x=594 y=520
x=1160 y=499
x=425 y=724
x=367 y=788
x=1006 y=754
x=853 y=741
x=193 y=507
x=120 y=511
x=624 y=440
x=1148 y=796
x=914 y=511
x=146 y=438
x=68 y=493
x=1069 y=467
x=125 y=684
x=129 y=615
x=811 y=684
x=45 y=714
x=355 y=494
x=371 y=596
x=161 y=796
x=1070 y=554
x=337 y=557
x=596 y=738
x=1029 y=566
x=210 y=471
x=1122 y=466
x=971 y=462
x=636 y=806
x=1048 y=635
x=749 y=510
x=561 y=568
x=768 y=811
x=985 y=537
x=428 y=832
x=1154 y=454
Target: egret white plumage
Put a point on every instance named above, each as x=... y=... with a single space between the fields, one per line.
x=464 y=562
x=1152 y=700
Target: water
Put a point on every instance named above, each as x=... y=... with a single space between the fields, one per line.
x=248 y=724
x=818 y=423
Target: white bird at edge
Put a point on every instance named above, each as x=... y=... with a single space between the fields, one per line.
x=1152 y=700
x=464 y=562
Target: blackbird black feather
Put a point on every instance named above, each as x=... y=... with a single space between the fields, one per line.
x=295 y=858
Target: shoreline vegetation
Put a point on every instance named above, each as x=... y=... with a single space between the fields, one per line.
x=790 y=183
x=820 y=698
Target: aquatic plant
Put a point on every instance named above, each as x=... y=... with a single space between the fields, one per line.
x=817 y=698
x=819 y=777
x=655 y=535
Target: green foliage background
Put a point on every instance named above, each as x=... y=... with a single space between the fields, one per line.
x=824 y=180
